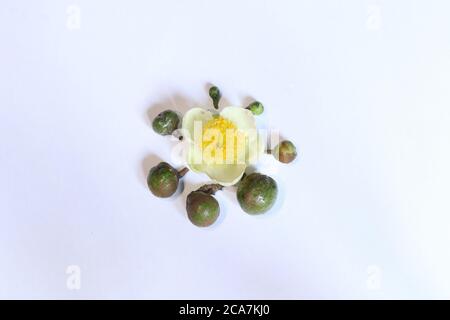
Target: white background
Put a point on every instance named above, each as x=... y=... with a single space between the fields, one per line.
x=361 y=87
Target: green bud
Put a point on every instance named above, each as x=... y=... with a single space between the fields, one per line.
x=166 y=122
x=257 y=193
x=202 y=208
x=163 y=179
x=215 y=95
x=256 y=108
x=285 y=151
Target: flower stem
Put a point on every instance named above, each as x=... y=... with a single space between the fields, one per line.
x=210 y=188
x=182 y=172
x=177 y=134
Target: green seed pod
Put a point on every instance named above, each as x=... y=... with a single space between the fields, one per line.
x=256 y=108
x=202 y=208
x=166 y=122
x=285 y=151
x=257 y=193
x=215 y=95
x=163 y=179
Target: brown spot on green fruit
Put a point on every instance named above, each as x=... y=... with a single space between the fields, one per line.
x=257 y=193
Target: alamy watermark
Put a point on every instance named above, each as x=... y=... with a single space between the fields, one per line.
x=374 y=18
x=219 y=145
x=73 y=281
x=374 y=277
x=73 y=19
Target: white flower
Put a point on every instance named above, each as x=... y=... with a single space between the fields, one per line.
x=223 y=144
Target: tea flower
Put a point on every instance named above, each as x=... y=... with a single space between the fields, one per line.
x=221 y=145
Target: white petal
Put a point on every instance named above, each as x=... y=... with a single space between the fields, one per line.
x=193 y=154
x=245 y=122
x=242 y=118
x=225 y=174
x=191 y=117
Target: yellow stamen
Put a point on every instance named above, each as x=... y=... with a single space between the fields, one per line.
x=216 y=136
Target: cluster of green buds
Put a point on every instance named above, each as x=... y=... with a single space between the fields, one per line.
x=256 y=193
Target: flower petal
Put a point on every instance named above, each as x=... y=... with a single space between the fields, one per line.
x=242 y=118
x=245 y=121
x=225 y=174
x=193 y=154
x=191 y=117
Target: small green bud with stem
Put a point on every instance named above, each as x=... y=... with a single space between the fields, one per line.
x=215 y=95
x=285 y=151
x=256 y=108
x=163 y=179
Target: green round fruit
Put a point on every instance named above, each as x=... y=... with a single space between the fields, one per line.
x=285 y=151
x=257 y=193
x=163 y=180
x=256 y=108
x=202 y=208
x=166 y=122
